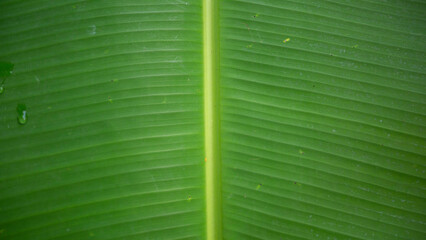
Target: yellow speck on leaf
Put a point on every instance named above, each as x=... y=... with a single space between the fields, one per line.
x=109 y=99
x=286 y=40
x=259 y=186
x=205 y=159
x=355 y=46
x=257 y=15
x=189 y=198
x=91 y=234
x=301 y=152
x=250 y=46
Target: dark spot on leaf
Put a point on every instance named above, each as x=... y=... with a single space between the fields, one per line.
x=6 y=69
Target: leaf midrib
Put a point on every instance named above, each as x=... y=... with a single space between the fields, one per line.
x=211 y=119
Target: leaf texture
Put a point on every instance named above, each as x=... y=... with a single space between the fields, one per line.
x=323 y=119
x=113 y=143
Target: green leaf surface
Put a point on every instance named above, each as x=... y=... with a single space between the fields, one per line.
x=113 y=145
x=312 y=128
x=323 y=119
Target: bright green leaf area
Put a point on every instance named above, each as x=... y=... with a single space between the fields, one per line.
x=321 y=107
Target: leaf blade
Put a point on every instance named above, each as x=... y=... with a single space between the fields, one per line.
x=323 y=120
x=113 y=143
